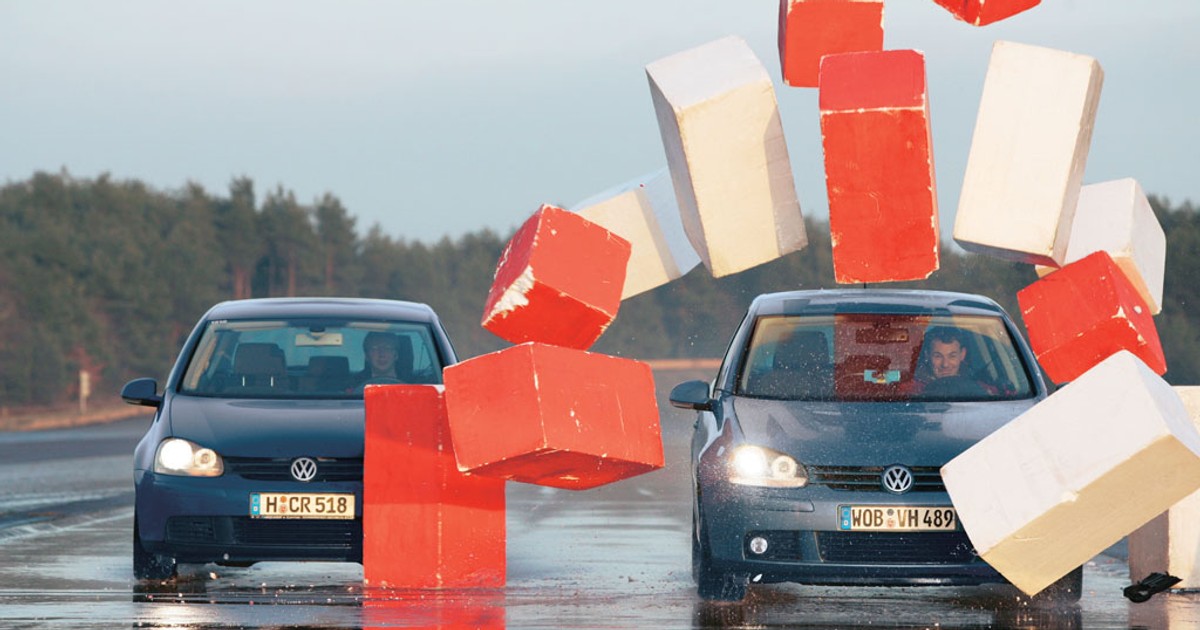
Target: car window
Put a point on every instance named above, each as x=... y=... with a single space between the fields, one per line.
x=313 y=358
x=883 y=357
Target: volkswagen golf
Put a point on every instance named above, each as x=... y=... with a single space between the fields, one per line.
x=256 y=448
x=817 y=447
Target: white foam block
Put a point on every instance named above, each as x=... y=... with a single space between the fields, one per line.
x=644 y=212
x=1116 y=217
x=725 y=148
x=1171 y=542
x=1065 y=480
x=1025 y=167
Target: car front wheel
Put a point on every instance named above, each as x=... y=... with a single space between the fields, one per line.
x=711 y=583
x=147 y=565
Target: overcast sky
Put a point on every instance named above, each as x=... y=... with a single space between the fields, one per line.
x=440 y=117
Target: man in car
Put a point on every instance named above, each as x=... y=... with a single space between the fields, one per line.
x=381 y=350
x=946 y=352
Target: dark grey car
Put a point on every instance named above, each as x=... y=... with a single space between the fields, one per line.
x=256 y=448
x=818 y=445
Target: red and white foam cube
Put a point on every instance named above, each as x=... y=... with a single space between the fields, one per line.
x=425 y=523
x=984 y=12
x=558 y=281
x=721 y=130
x=554 y=416
x=1116 y=217
x=1171 y=542
x=1085 y=312
x=644 y=212
x=879 y=172
x=1025 y=167
x=1071 y=476
x=811 y=29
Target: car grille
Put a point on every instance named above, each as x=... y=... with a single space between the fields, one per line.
x=206 y=530
x=868 y=478
x=895 y=548
x=263 y=469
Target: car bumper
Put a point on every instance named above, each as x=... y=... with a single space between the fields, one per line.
x=208 y=520
x=805 y=545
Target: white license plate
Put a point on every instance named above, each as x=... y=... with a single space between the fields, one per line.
x=896 y=518
x=301 y=505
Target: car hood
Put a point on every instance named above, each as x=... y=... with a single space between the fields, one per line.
x=872 y=434
x=270 y=428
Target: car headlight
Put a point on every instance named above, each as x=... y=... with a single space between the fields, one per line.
x=177 y=456
x=760 y=466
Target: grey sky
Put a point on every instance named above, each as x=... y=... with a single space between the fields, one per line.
x=439 y=117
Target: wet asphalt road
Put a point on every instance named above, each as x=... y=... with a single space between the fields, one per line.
x=614 y=557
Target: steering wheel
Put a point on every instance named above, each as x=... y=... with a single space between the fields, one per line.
x=955 y=386
x=383 y=380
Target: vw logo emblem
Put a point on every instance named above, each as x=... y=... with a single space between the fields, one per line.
x=897 y=479
x=304 y=469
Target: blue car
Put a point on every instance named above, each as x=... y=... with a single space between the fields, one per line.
x=256 y=448
x=817 y=448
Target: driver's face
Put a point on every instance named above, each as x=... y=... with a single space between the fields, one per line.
x=381 y=356
x=946 y=358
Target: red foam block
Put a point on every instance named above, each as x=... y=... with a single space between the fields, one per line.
x=984 y=12
x=879 y=166
x=559 y=281
x=1085 y=312
x=425 y=523
x=554 y=416
x=811 y=29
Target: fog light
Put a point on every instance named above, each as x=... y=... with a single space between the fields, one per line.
x=758 y=545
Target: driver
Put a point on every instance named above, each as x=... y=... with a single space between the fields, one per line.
x=947 y=352
x=381 y=350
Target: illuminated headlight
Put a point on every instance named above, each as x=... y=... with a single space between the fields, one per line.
x=758 y=466
x=181 y=457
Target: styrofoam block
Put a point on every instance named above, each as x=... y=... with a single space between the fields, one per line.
x=1065 y=480
x=425 y=523
x=554 y=416
x=1085 y=312
x=984 y=12
x=1025 y=166
x=644 y=212
x=1116 y=217
x=558 y=281
x=729 y=164
x=811 y=29
x=1171 y=542
x=879 y=174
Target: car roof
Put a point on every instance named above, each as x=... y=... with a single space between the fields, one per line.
x=267 y=308
x=865 y=300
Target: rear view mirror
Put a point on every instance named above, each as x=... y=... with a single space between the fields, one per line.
x=142 y=391
x=691 y=395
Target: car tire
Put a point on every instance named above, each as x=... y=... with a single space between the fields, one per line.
x=150 y=566
x=1067 y=590
x=713 y=584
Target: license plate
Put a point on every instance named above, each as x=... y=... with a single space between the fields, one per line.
x=896 y=518
x=301 y=505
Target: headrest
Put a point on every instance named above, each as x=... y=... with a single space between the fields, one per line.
x=259 y=358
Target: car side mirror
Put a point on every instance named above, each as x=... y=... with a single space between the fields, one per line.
x=142 y=391
x=691 y=395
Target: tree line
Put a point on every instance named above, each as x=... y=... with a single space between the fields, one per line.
x=110 y=276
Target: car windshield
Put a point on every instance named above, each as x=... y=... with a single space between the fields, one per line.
x=883 y=357
x=312 y=358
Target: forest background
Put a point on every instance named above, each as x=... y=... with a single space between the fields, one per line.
x=110 y=277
